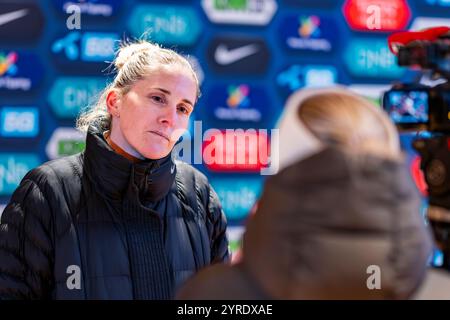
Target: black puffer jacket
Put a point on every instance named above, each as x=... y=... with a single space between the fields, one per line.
x=84 y=213
x=323 y=229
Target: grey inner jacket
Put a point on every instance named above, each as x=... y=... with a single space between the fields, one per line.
x=84 y=215
x=323 y=228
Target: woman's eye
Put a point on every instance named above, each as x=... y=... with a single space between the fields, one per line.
x=158 y=99
x=183 y=109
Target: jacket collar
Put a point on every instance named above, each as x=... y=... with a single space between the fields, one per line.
x=111 y=173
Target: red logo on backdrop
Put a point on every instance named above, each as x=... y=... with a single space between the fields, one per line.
x=418 y=176
x=377 y=15
x=236 y=150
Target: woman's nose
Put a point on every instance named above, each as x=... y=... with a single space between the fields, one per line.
x=168 y=116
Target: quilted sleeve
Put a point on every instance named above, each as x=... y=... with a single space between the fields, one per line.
x=26 y=249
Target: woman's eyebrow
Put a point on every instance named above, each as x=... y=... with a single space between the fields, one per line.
x=169 y=93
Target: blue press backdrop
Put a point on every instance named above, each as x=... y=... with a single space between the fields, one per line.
x=48 y=72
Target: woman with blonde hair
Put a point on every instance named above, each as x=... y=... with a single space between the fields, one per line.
x=123 y=219
x=341 y=218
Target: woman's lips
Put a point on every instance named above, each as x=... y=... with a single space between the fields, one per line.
x=161 y=135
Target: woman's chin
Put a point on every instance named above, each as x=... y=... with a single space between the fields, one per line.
x=154 y=149
x=154 y=154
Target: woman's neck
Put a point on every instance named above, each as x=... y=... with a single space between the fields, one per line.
x=119 y=150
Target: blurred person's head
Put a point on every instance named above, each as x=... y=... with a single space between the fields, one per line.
x=317 y=118
x=342 y=203
x=340 y=220
x=147 y=106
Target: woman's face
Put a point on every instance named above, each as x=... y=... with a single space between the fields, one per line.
x=152 y=116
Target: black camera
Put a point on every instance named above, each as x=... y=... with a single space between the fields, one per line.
x=417 y=107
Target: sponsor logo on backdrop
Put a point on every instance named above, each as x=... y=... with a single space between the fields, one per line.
x=86 y=47
x=20 y=21
x=69 y=95
x=226 y=56
x=371 y=58
x=298 y=76
x=238 y=55
x=13 y=167
x=236 y=150
x=239 y=104
x=19 y=122
x=421 y=23
x=175 y=24
x=246 y=12
x=19 y=70
x=65 y=142
x=377 y=15
x=237 y=195
x=97 y=8
x=308 y=32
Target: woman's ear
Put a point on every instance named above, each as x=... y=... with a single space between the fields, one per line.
x=113 y=103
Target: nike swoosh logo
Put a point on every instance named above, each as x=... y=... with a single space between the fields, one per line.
x=172 y=169
x=11 y=16
x=224 y=56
